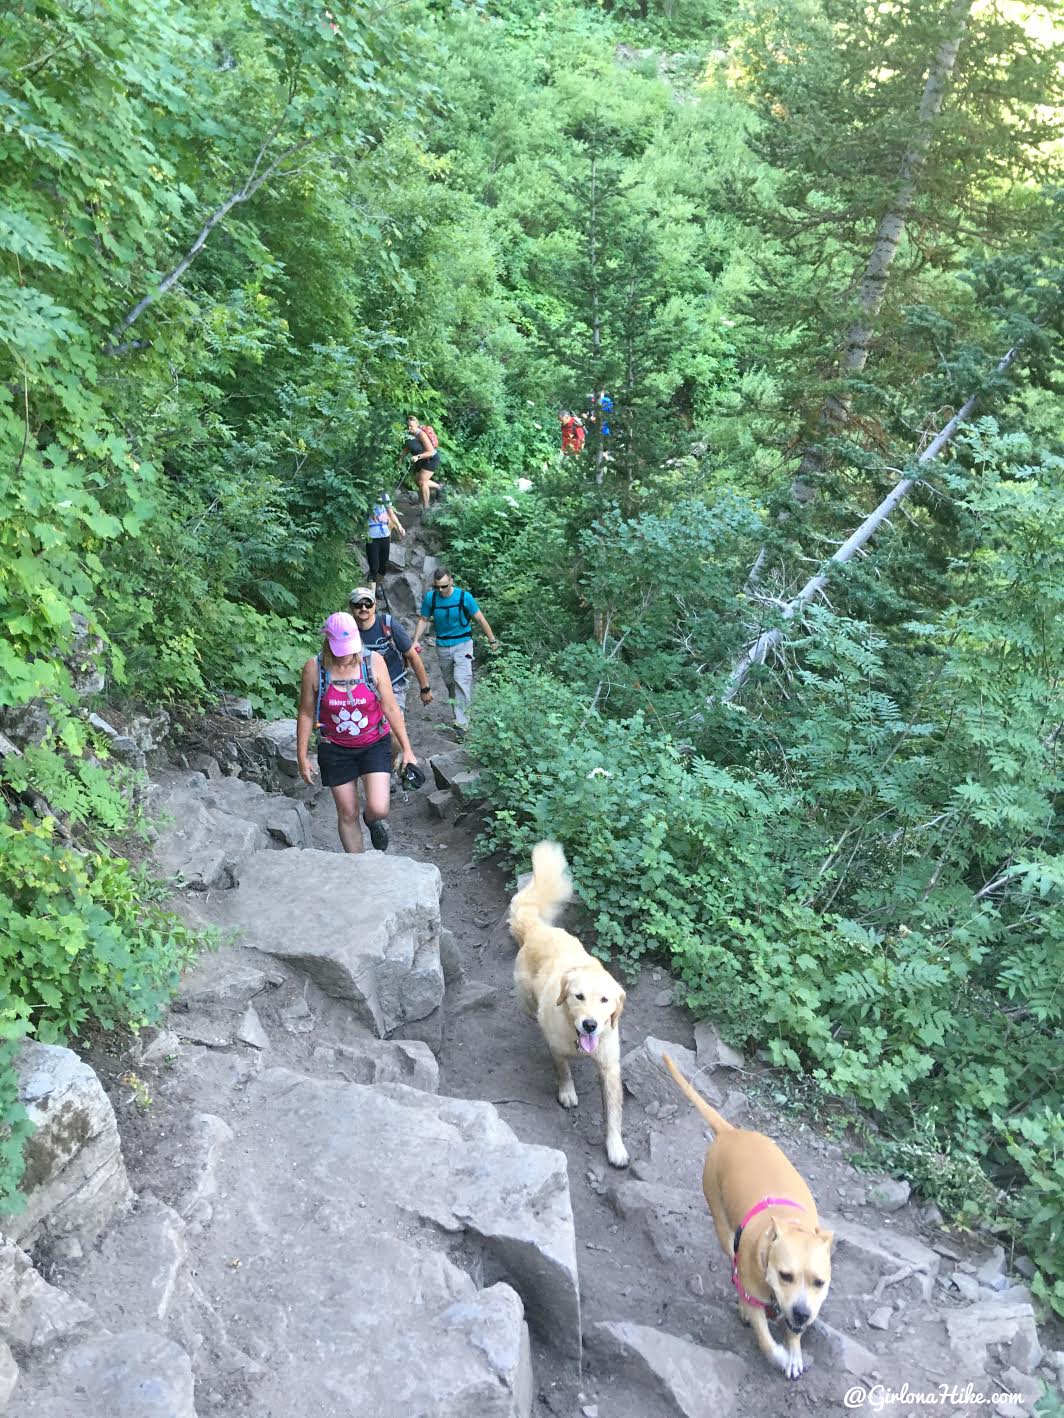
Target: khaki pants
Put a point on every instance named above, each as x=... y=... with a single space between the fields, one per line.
x=456 y=666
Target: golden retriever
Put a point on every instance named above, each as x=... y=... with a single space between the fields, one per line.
x=768 y=1228
x=574 y=998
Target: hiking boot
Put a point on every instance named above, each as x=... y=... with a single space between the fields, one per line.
x=378 y=834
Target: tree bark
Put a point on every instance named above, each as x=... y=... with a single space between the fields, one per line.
x=858 y=339
x=756 y=653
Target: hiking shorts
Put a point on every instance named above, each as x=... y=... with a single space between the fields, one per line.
x=377 y=549
x=340 y=764
x=432 y=464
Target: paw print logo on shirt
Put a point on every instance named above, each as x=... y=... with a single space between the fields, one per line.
x=351 y=722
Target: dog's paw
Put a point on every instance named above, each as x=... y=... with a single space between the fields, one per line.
x=567 y=1096
x=790 y=1361
x=617 y=1154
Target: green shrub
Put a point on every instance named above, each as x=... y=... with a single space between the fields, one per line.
x=86 y=940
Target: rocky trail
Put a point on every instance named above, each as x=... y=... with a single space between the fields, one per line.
x=336 y=1182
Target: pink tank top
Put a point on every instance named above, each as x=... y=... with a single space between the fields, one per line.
x=352 y=716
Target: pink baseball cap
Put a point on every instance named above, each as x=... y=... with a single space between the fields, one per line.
x=341 y=631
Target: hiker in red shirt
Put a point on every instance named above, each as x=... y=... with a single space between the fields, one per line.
x=573 y=432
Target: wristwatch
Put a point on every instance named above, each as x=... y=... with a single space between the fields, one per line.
x=426 y=689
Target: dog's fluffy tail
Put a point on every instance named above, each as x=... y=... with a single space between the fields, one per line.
x=547 y=892
x=712 y=1117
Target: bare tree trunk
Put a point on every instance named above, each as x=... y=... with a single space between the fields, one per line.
x=756 y=653
x=253 y=182
x=889 y=233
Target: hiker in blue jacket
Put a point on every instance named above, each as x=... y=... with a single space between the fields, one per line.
x=452 y=612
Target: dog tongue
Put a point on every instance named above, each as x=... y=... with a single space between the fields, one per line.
x=588 y=1042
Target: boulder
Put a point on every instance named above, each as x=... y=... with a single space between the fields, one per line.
x=406 y=1061
x=712 y=1051
x=75 y=1178
x=404 y=591
x=131 y=1375
x=972 y=1329
x=86 y=649
x=648 y=1080
x=399 y=1199
x=385 y=962
x=34 y=1314
x=890 y=1194
x=455 y=772
x=275 y=745
x=694 y=1381
x=285 y=821
x=450 y=958
x=204 y=763
x=397 y=556
x=234 y=706
x=441 y=805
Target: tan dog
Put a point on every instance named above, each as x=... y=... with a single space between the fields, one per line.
x=767 y=1226
x=575 y=999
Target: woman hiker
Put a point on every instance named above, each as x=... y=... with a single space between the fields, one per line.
x=424 y=457
x=347 y=692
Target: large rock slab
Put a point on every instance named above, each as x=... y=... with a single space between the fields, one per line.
x=285 y=821
x=365 y=928
x=870 y=1254
x=131 y=1275
x=694 y=1381
x=34 y=1314
x=995 y=1321
x=75 y=1178
x=132 y=1375
x=199 y=844
x=409 y=1229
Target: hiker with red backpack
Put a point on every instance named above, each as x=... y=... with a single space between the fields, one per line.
x=346 y=697
x=423 y=449
x=573 y=432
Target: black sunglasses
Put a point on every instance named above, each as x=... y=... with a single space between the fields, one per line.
x=361 y=605
x=442 y=585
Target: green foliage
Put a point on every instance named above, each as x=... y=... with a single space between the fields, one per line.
x=1036 y=1143
x=85 y=937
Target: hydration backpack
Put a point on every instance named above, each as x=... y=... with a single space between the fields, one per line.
x=325 y=679
x=428 y=428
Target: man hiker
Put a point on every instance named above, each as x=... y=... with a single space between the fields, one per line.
x=392 y=642
x=452 y=612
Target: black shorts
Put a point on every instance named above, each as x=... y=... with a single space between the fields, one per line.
x=340 y=764
x=377 y=549
x=432 y=464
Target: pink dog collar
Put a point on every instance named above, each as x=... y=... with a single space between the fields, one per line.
x=769 y=1306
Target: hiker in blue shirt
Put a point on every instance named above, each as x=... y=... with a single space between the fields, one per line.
x=452 y=613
